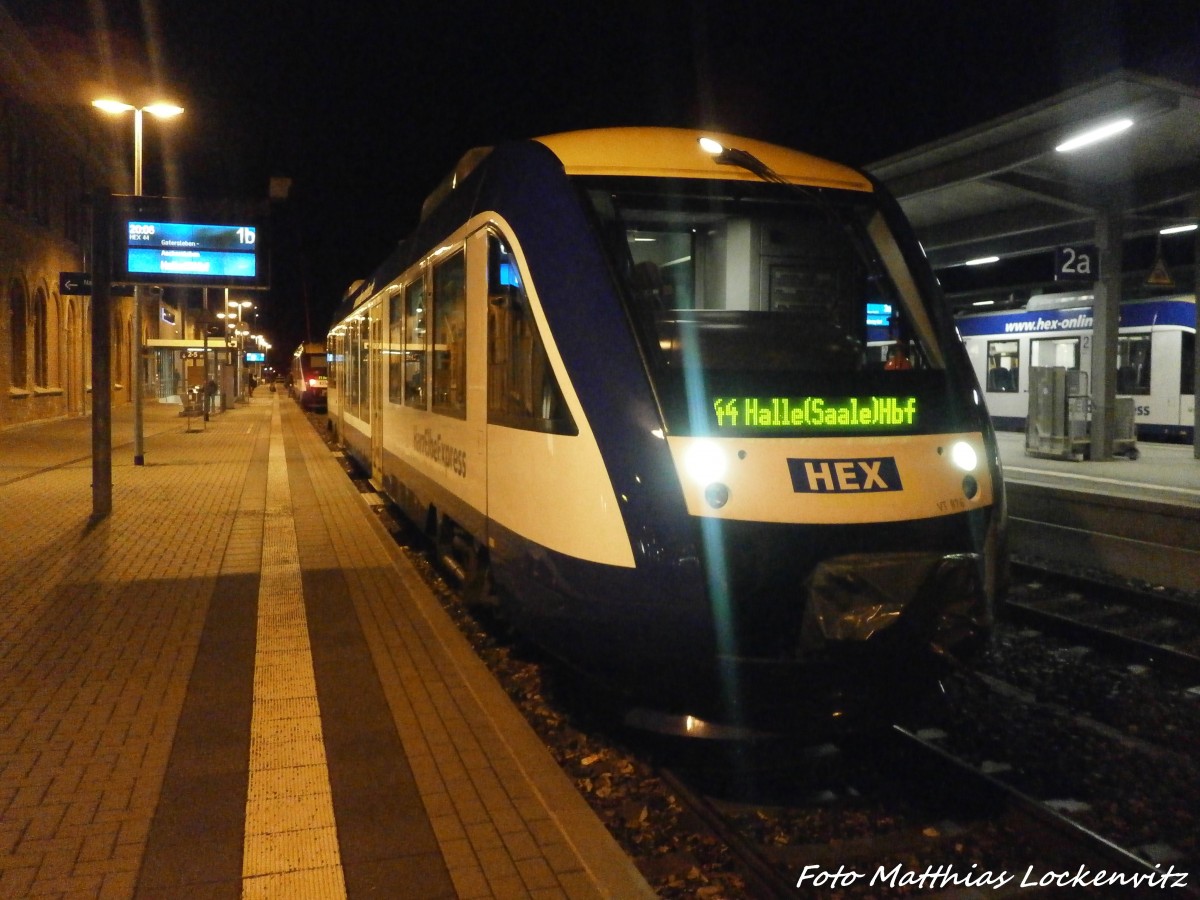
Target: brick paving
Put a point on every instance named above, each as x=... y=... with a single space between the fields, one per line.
x=125 y=700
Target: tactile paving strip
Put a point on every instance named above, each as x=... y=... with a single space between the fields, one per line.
x=291 y=847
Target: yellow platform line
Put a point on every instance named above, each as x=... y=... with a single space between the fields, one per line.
x=291 y=847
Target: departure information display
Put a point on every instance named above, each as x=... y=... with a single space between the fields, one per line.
x=190 y=242
x=179 y=248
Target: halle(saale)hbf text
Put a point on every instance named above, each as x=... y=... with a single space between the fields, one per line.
x=814 y=412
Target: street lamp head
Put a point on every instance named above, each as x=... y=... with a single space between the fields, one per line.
x=160 y=110
x=112 y=106
x=163 y=110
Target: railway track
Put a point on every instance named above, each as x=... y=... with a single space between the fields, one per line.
x=951 y=826
x=1138 y=626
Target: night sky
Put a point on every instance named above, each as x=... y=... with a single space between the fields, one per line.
x=366 y=105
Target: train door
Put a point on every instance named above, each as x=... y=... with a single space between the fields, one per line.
x=377 y=382
x=335 y=398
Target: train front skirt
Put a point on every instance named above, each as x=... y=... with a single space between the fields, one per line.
x=864 y=595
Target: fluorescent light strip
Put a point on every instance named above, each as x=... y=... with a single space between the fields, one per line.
x=1091 y=136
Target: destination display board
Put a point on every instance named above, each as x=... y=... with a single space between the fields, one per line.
x=814 y=414
x=190 y=243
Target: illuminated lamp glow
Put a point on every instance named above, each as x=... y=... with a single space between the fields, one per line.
x=982 y=261
x=963 y=455
x=705 y=462
x=164 y=110
x=1092 y=135
x=708 y=145
x=112 y=106
x=1179 y=229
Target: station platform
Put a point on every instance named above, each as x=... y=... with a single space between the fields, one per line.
x=1166 y=473
x=235 y=685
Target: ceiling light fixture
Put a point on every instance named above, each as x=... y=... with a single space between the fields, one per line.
x=1092 y=135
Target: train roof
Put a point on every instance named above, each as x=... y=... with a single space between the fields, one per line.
x=632 y=151
x=1175 y=310
x=1070 y=302
x=675 y=153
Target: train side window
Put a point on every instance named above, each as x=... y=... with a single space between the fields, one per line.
x=414 y=349
x=1004 y=366
x=522 y=390
x=1133 y=364
x=395 y=347
x=335 y=360
x=1187 y=377
x=362 y=373
x=1048 y=352
x=449 y=361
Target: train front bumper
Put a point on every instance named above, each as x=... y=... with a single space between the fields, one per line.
x=917 y=598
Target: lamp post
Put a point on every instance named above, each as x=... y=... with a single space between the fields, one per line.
x=240 y=334
x=160 y=111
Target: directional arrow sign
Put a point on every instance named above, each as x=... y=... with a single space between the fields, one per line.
x=78 y=283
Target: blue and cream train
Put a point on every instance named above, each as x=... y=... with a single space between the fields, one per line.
x=696 y=411
x=1156 y=356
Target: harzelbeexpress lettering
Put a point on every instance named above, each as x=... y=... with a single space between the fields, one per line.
x=844 y=476
x=446 y=455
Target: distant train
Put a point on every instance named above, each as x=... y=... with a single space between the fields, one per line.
x=697 y=419
x=1156 y=353
x=308 y=378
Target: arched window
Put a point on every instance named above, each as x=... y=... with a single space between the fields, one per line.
x=41 y=340
x=18 y=325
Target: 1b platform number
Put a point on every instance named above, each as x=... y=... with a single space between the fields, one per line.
x=1076 y=264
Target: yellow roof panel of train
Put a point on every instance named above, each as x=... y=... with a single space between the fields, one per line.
x=676 y=153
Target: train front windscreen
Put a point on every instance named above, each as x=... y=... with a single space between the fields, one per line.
x=771 y=310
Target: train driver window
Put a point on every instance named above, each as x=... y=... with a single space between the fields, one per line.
x=522 y=390
x=415 y=352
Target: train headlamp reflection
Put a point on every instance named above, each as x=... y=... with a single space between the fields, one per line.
x=963 y=455
x=970 y=487
x=716 y=495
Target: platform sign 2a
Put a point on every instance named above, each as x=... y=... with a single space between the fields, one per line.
x=1078 y=264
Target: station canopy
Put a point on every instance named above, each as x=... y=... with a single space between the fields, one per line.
x=1002 y=189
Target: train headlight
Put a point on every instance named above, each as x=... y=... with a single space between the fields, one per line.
x=963 y=455
x=705 y=462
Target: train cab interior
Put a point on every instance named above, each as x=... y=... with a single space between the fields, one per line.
x=739 y=283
